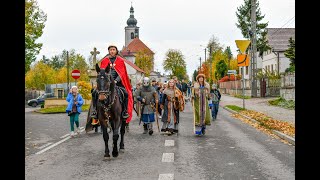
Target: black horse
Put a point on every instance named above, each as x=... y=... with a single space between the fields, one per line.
x=109 y=110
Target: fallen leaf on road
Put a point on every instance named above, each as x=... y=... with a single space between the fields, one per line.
x=266 y=124
x=282 y=126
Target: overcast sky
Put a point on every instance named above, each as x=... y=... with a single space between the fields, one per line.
x=186 y=25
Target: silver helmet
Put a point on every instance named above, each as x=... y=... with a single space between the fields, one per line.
x=146 y=81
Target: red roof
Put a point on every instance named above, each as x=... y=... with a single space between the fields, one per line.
x=134 y=46
x=133 y=65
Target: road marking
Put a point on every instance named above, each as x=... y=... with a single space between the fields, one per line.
x=53 y=145
x=59 y=142
x=64 y=136
x=169 y=143
x=168 y=157
x=166 y=177
x=43 y=146
x=81 y=130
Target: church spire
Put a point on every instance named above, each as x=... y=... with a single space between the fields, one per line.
x=131 y=21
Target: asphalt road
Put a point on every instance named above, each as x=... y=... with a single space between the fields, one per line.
x=230 y=150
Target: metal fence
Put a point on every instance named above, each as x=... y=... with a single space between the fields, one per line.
x=32 y=94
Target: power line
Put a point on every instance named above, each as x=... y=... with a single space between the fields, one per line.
x=282 y=26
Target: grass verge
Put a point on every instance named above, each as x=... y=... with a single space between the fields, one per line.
x=235 y=108
x=290 y=104
x=59 y=109
x=241 y=96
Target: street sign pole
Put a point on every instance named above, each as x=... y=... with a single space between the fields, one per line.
x=235 y=82
x=243 y=87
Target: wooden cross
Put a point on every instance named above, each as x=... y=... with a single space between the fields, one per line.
x=94 y=53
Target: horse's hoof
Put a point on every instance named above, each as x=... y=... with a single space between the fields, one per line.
x=115 y=154
x=121 y=146
x=106 y=157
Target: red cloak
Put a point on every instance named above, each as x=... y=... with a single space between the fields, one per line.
x=121 y=69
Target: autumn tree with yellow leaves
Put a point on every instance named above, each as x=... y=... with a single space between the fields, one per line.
x=84 y=89
x=144 y=61
x=39 y=75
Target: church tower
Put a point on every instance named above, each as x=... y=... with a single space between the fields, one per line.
x=131 y=31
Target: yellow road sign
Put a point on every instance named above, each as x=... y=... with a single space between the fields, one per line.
x=242 y=45
x=243 y=59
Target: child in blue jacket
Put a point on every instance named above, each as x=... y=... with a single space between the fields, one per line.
x=75 y=102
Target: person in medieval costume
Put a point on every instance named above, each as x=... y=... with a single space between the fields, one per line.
x=172 y=102
x=202 y=113
x=215 y=97
x=121 y=79
x=148 y=97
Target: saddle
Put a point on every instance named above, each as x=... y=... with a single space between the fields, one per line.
x=120 y=92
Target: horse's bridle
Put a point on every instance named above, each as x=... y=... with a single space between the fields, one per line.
x=107 y=108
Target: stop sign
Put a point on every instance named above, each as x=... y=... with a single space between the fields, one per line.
x=75 y=74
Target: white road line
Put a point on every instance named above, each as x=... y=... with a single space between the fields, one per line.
x=45 y=145
x=53 y=145
x=59 y=142
x=168 y=157
x=81 y=130
x=166 y=176
x=64 y=136
x=169 y=143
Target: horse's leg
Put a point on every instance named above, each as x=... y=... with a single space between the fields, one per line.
x=115 y=127
x=106 y=139
x=122 y=132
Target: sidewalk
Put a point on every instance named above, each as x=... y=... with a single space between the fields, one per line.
x=260 y=105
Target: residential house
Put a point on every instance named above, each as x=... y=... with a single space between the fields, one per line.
x=274 y=60
x=158 y=77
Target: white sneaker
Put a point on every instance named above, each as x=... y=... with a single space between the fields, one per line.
x=160 y=116
x=72 y=134
x=78 y=131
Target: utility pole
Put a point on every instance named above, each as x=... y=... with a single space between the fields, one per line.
x=200 y=65
x=68 y=71
x=254 y=48
x=205 y=54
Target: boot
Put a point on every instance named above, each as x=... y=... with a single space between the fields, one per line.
x=94 y=105
x=125 y=114
x=164 y=127
x=150 y=129
x=145 y=129
x=203 y=130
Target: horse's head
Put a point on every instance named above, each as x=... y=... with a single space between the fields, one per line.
x=105 y=82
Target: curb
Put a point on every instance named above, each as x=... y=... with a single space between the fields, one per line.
x=37 y=111
x=277 y=133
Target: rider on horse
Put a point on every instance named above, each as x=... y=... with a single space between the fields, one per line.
x=121 y=79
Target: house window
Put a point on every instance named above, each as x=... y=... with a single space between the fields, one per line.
x=132 y=35
x=247 y=70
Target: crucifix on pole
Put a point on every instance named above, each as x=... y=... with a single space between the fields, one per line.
x=94 y=53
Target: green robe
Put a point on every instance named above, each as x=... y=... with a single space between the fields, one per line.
x=201 y=105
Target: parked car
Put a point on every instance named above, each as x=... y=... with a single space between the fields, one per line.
x=40 y=100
